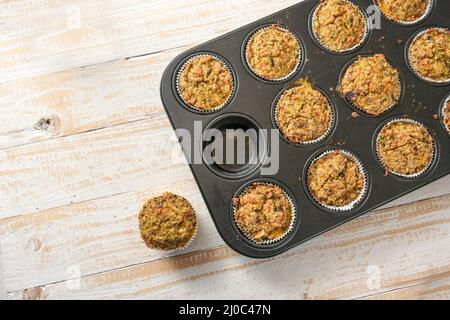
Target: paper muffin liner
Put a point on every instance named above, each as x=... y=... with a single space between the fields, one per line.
x=443 y=116
x=408 y=23
x=183 y=67
x=416 y=72
x=317 y=38
x=188 y=244
x=409 y=176
x=354 y=105
x=293 y=214
x=350 y=206
x=300 y=53
x=305 y=143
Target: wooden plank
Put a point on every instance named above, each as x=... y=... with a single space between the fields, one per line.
x=88 y=166
x=404 y=244
x=44 y=36
x=436 y=287
x=81 y=100
x=102 y=234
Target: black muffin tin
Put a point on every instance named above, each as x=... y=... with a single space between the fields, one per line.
x=251 y=106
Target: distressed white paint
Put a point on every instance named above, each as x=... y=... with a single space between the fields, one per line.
x=80 y=151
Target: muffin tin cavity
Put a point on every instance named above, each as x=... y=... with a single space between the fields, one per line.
x=336 y=180
x=278 y=147
x=304 y=114
x=233 y=146
x=371 y=84
x=405 y=147
x=269 y=229
x=404 y=12
x=205 y=83
x=427 y=55
x=444 y=112
x=327 y=32
x=273 y=53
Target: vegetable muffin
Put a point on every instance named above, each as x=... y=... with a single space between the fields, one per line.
x=446 y=115
x=405 y=148
x=371 y=84
x=339 y=25
x=167 y=222
x=304 y=114
x=336 y=180
x=273 y=53
x=429 y=55
x=405 y=11
x=205 y=83
x=263 y=212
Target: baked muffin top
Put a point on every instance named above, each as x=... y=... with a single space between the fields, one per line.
x=447 y=116
x=205 y=83
x=403 y=10
x=429 y=55
x=263 y=212
x=273 y=53
x=303 y=113
x=371 y=84
x=167 y=222
x=339 y=25
x=335 y=180
x=405 y=148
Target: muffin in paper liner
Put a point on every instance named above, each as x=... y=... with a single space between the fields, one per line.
x=445 y=114
x=309 y=142
x=328 y=47
x=399 y=174
x=354 y=203
x=149 y=237
x=411 y=63
x=350 y=96
x=388 y=16
x=299 y=57
x=293 y=208
x=226 y=67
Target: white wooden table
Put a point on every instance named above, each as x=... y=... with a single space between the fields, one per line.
x=79 y=154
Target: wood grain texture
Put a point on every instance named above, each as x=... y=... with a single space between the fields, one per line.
x=44 y=36
x=84 y=141
x=436 y=287
x=102 y=234
x=333 y=266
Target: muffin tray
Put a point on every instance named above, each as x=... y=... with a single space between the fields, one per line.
x=251 y=107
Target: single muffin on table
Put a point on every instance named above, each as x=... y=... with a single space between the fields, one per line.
x=405 y=148
x=205 y=83
x=264 y=213
x=429 y=55
x=339 y=25
x=404 y=11
x=303 y=114
x=273 y=53
x=167 y=222
x=336 y=180
x=371 y=84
